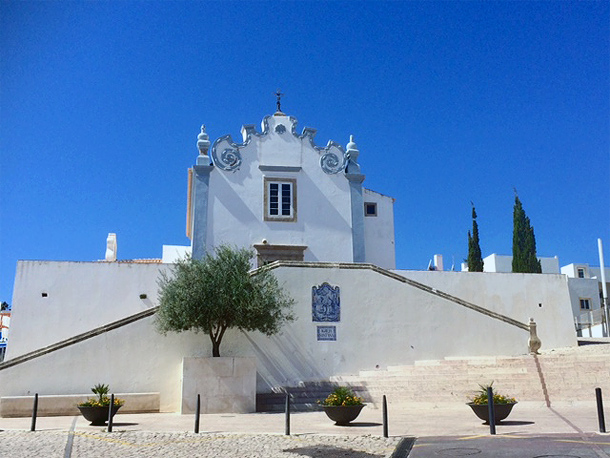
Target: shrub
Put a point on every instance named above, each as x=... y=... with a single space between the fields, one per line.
x=342 y=396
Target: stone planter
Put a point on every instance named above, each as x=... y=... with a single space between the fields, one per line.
x=98 y=416
x=343 y=415
x=482 y=411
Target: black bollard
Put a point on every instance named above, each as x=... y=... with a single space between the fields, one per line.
x=197 y=413
x=385 y=416
x=110 y=407
x=34 y=413
x=287 y=429
x=492 y=412
x=600 y=410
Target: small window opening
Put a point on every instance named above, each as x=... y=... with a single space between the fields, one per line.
x=44 y=294
x=585 y=304
x=370 y=209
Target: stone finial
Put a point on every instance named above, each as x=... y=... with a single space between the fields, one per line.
x=111 y=247
x=534 y=343
x=203 y=142
x=351 y=144
x=352 y=156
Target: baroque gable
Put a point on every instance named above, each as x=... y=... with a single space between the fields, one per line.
x=278 y=144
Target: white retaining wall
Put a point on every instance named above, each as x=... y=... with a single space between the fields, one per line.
x=383 y=322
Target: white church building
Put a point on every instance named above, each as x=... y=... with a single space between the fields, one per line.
x=303 y=209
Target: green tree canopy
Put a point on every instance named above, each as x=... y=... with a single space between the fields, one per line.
x=219 y=292
x=524 y=242
x=475 y=261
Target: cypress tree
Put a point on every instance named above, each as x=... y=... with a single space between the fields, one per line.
x=475 y=261
x=524 y=242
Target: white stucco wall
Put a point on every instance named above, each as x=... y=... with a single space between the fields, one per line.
x=379 y=231
x=499 y=263
x=383 y=322
x=79 y=297
x=236 y=199
x=172 y=253
x=544 y=297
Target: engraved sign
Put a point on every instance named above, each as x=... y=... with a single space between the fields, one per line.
x=325 y=303
x=327 y=333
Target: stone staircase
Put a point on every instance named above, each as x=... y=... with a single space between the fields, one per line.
x=557 y=376
x=303 y=398
x=562 y=375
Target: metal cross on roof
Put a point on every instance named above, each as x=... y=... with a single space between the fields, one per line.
x=279 y=95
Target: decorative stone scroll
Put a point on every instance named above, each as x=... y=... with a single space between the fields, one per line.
x=325 y=303
x=332 y=159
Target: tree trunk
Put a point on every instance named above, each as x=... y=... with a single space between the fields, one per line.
x=215 y=349
x=216 y=338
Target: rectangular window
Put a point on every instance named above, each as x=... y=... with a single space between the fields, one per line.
x=280 y=199
x=581 y=272
x=585 y=304
x=370 y=209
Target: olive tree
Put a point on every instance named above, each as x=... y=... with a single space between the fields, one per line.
x=219 y=292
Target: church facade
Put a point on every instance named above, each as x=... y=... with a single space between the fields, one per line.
x=279 y=193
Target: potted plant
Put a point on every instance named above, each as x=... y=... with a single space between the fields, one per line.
x=96 y=409
x=480 y=405
x=342 y=406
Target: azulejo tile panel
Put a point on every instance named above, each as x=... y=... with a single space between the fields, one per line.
x=325 y=303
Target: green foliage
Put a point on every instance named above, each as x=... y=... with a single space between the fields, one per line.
x=102 y=400
x=100 y=389
x=4 y=306
x=218 y=292
x=481 y=397
x=524 y=242
x=475 y=260
x=342 y=396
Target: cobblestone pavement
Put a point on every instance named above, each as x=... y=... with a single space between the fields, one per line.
x=128 y=444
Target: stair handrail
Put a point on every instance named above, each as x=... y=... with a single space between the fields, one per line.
x=78 y=338
x=428 y=289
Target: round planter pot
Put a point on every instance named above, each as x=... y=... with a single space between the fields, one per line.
x=98 y=416
x=342 y=415
x=482 y=411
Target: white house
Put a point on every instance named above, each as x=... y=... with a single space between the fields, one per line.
x=586 y=294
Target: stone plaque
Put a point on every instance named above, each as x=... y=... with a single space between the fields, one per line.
x=327 y=333
x=325 y=303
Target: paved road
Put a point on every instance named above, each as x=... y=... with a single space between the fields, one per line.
x=534 y=430
x=140 y=444
x=515 y=446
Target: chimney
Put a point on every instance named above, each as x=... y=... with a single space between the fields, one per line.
x=438 y=262
x=111 y=247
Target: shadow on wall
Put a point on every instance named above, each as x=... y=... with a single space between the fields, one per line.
x=283 y=362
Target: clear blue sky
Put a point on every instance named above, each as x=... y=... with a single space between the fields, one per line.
x=449 y=102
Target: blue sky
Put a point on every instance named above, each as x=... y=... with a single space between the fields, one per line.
x=449 y=102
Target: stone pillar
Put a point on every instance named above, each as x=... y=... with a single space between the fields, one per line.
x=352 y=173
x=201 y=185
x=200 y=209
